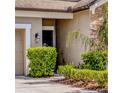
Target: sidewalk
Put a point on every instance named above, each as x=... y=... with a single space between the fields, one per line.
x=44 y=85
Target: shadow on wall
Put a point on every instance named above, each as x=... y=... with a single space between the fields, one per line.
x=61 y=57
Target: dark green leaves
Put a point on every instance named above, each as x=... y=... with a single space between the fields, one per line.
x=95 y=60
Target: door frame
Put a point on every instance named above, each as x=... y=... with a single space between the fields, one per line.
x=27 y=29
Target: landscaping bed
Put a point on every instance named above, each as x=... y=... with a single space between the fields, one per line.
x=92 y=85
x=84 y=78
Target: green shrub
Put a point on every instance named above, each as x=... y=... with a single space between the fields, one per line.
x=101 y=77
x=42 y=61
x=95 y=60
x=65 y=70
x=85 y=74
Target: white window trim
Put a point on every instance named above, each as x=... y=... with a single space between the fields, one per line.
x=48 y=28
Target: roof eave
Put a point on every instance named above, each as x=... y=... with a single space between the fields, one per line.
x=85 y=7
x=38 y=9
x=81 y=8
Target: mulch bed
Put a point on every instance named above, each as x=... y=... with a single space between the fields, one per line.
x=92 y=85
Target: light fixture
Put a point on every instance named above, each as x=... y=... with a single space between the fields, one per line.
x=37 y=37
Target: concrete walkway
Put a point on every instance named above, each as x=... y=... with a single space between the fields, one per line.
x=44 y=85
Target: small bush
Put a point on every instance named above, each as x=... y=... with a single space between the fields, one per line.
x=100 y=77
x=42 y=61
x=95 y=60
x=85 y=75
x=64 y=70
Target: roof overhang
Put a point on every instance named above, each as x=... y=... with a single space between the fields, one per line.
x=64 y=6
x=46 y=10
x=43 y=14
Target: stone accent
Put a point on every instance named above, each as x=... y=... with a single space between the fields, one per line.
x=96 y=20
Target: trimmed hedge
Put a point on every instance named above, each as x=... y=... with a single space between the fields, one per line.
x=42 y=61
x=95 y=60
x=101 y=77
x=64 y=70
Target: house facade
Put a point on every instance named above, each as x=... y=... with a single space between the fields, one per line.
x=47 y=23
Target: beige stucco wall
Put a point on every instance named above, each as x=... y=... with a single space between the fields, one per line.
x=72 y=53
x=36 y=25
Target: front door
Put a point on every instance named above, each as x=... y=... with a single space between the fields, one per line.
x=19 y=52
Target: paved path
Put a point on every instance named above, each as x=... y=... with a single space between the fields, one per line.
x=44 y=85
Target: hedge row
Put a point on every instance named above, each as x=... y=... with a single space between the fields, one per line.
x=69 y=72
x=42 y=61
